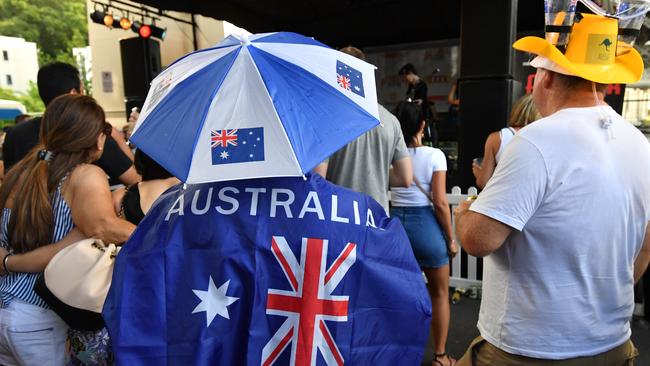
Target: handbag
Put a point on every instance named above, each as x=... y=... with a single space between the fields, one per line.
x=452 y=250
x=76 y=281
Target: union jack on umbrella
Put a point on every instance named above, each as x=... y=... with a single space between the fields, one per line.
x=223 y=138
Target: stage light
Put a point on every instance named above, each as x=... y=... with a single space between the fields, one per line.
x=144 y=31
x=97 y=17
x=108 y=20
x=125 y=23
x=101 y=15
x=135 y=26
x=158 y=32
x=148 y=30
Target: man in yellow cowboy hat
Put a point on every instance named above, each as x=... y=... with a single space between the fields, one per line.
x=563 y=223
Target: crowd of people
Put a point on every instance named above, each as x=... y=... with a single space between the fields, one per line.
x=562 y=219
x=56 y=192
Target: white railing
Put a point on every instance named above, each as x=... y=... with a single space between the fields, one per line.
x=471 y=265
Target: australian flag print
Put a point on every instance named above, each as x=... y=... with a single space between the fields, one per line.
x=267 y=272
x=349 y=78
x=237 y=145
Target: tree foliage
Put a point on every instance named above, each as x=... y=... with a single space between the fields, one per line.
x=56 y=26
x=32 y=101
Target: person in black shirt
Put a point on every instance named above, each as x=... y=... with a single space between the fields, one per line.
x=53 y=80
x=417 y=91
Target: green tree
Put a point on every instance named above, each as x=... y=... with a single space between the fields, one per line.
x=84 y=74
x=56 y=26
x=32 y=101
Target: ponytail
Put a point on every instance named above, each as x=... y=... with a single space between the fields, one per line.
x=31 y=222
x=70 y=129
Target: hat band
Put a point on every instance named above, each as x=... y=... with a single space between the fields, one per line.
x=541 y=62
x=558 y=29
x=629 y=32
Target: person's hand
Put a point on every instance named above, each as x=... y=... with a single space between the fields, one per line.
x=452 y=248
x=462 y=208
x=133 y=117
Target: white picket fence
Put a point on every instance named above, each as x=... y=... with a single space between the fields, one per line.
x=471 y=265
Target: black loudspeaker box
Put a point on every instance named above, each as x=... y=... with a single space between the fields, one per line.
x=140 y=65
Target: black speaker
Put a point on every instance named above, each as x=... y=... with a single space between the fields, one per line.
x=140 y=65
x=487 y=32
x=486 y=110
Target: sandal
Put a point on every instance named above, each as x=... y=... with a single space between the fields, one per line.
x=443 y=355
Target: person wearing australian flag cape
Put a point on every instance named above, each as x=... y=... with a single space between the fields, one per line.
x=274 y=271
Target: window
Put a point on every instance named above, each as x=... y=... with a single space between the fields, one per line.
x=9 y=81
x=5 y=55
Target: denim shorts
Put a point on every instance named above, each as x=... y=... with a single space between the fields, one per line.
x=423 y=230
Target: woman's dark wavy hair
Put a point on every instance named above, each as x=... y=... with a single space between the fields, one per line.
x=148 y=168
x=410 y=117
x=69 y=129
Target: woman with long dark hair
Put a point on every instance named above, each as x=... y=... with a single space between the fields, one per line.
x=133 y=202
x=428 y=227
x=52 y=191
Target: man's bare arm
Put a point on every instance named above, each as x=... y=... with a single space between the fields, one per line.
x=479 y=235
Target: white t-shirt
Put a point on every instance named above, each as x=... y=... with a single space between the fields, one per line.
x=505 y=135
x=426 y=160
x=561 y=286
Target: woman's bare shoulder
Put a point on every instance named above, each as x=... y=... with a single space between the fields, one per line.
x=86 y=175
x=87 y=171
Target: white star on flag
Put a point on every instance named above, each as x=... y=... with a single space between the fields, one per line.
x=224 y=154
x=214 y=301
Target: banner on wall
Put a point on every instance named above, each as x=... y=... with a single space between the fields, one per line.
x=437 y=65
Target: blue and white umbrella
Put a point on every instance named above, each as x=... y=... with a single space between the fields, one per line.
x=268 y=105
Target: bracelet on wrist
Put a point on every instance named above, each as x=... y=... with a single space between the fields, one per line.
x=4 y=263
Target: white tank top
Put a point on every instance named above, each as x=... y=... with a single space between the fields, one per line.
x=506 y=135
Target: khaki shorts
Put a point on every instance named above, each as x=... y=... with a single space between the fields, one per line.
x=482 y=353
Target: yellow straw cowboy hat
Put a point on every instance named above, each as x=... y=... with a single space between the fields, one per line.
x=590 y=53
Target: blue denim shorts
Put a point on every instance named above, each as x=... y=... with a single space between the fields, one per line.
x=423 y=230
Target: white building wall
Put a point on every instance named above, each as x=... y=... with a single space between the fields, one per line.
x=105 y=49
x=18 y=63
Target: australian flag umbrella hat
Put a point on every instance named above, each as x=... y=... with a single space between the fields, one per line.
x=265 y=105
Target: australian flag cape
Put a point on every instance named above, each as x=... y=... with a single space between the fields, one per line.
x=277 y=271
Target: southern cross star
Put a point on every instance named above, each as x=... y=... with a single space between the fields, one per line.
x=214 y=301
